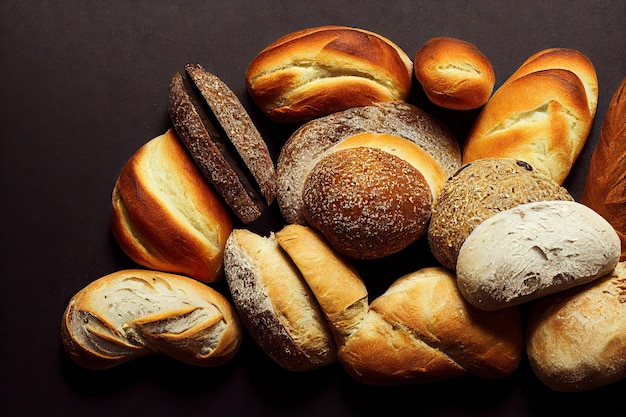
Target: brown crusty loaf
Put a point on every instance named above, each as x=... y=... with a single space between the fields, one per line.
x=532 y=250
x=576 y=339
x=366 y=202
x=322 y=70
x=218 y=133
x=134 y=313
x=315 y=139
x=542 y=118
x=605 y=187
x=478 y=191
x=454 y=73
x=275 y=304
x=164 y=215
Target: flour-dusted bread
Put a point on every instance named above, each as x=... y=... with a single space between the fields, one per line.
x=133 y=313
x=454 y=73
x=275 y=304
x=532 y=250
x=422 y=330
x=576 y=339
x=322 y=70
x=605 y=187
x=478 y=191
x=165 y=216
x=541 y=115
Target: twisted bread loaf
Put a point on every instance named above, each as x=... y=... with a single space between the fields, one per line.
x=133 y=313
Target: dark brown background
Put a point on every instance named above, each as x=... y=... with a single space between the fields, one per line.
x=84 y=85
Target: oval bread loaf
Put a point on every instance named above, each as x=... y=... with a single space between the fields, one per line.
x=322 y=70
x=576 y=339
x=454 y=73
x=134 y=313
x=165 y=216
x=533 y=250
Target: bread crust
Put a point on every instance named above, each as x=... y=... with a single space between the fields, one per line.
x=454 y=73
x=165 y=217
x=605 y=186
x=576 y=339
x=133 y=313
x=318 y=71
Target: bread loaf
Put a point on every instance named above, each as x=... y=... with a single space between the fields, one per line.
x=322 y=70
x=133 y=313
x=218 y=133
x=576 y=339
x=454 y=73
x=165 y=216
x=541 y=115
x=372 y=126
x=605 y=186
x=532 y=250
x=422 y=330
x=478 y=191
x=275 y=304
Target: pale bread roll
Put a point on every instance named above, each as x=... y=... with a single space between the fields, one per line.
x=576 y=339
x=532 y=250
x=134 y=313
x=275 y=304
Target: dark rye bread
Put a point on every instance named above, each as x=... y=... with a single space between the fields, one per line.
x=313 y=140
x=219 y=135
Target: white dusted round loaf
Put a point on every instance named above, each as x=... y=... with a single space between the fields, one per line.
x=533 y=250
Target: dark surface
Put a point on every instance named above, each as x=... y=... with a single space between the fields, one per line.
x=84 y=85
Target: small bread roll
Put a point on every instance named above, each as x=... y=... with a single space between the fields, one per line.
x=366 y=202
x=422 y=330
x=134 y=313
x=576 y=339
x=275 y=304
x=165 y=216
x=605 y=186
x=368 y=126
x=322 y=70
x=478 y=191
x=454 y=73
x=532 y=250
x=542 y=115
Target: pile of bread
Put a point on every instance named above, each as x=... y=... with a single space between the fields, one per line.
x=365 y=175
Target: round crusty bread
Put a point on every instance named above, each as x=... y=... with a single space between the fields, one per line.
x=576 y=339
x=313 y=140
x=478 y=191
x=542 y=118
x=322 y=70
x=366 y=202
x=454 y=73
x=165 y=216
x=275 y=304
x=532 y=250
x=133 y=313
x=422 y=330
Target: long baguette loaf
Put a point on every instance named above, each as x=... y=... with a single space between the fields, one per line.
x=133 y=313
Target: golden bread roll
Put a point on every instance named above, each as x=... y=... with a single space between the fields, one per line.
x=454 y=73
x=478 y=191
x=165 y=216
x=322 y=70
x=576 y=339
x=541 y=118
x=422 y=330
x=532 y=250
x=275 y=304
x=210 y=120
x=439 y=155
x=134 y=313
x=366 y=202
x=605 y=187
